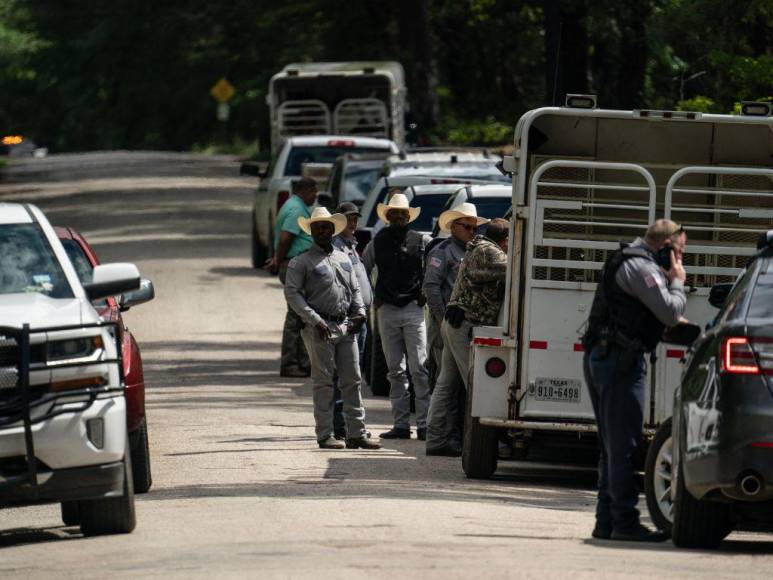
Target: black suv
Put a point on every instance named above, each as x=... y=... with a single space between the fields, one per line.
x=721 y=473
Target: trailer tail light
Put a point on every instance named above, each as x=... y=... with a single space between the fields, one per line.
x=495 y=367
x=340 y=143
x=738 y=357
x=281 y=198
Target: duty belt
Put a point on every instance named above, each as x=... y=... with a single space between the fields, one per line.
x=337 y=319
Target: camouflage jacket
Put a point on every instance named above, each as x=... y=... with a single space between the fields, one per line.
x=480 y=284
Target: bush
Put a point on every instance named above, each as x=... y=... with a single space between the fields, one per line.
x=488 y=132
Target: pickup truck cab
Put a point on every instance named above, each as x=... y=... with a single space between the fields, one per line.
x=276 y=184
x=63 y=434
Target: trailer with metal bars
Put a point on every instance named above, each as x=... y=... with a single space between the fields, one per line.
x=584 y=180
x=365 y=99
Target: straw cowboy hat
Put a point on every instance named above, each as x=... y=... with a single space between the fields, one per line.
x=397 y=201
x=320 y=214
x=463 y=210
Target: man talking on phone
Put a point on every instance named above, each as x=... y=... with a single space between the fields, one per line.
x=640 y=293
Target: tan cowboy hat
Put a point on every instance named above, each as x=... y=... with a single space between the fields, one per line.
x=320 y=214
x=397 y=201
x=463 y=210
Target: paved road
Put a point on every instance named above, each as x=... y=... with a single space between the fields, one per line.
x=240 y=488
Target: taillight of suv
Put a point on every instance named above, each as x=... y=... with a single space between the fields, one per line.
x=747 y=356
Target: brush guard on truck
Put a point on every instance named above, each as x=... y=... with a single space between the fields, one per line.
x=16 y=399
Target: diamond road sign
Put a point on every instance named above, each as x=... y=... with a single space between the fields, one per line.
x=222 y=91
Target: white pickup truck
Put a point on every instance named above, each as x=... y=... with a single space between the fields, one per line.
x=584 y=180
x=276 y=184
x=63 y=431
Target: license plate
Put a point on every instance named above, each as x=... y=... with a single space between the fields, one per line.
x=559 y=390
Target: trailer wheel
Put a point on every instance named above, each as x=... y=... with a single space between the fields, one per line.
x=140 y=450
x=110 y=515
x=698 y=524
x=259 y=254
x=658 y=477
x=70 y=513
x=479 y=448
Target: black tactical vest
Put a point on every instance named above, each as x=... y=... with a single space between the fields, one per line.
x=613 y=311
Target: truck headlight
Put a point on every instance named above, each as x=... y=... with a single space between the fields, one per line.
x=59 y=350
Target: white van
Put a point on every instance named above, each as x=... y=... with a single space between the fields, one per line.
x=62 y=410
x=584 y=180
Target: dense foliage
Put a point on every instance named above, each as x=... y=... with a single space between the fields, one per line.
x=79 y=74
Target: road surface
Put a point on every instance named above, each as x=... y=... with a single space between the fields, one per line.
x=240 y=488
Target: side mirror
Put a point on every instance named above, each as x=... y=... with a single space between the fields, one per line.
x=683 y=334
x=718 y=294
x=112 y=279
x=325 y=199
x=145 y=293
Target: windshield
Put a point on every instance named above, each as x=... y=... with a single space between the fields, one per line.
x=431 y=206
x=357 y=183
x=28 y=263
x=322 y=154
x=493 y=207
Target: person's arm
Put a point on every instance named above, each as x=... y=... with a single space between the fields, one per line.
x=285 y=241
x=646 y=281
x=433 y=281
x=369 y=258
x=294 y=283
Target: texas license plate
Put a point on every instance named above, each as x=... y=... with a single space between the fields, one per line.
x=559 y=390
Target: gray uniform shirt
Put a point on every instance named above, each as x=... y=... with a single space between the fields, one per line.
x=645 y=280
x=320 y=284
x=441 y=270
x=349 y=247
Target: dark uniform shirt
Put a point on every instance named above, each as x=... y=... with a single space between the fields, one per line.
x=399 y=257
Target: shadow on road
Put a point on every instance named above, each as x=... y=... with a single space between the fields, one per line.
x=22 y=536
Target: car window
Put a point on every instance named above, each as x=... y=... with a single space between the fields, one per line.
x=80 y=262
x=761 y=303
x=492 y=207
x=28 y=263
x=431 y=207
x=372 y=219
x=322 y=154
x=733 y=306
x=357 y=183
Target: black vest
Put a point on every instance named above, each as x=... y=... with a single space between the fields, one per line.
x=400 y=260
x=614 y=311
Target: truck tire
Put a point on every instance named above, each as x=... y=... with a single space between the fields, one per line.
x=259 y=254
x=658 y=476
x=111 y=515
x=698 y=524
x=480 y=445
x=378 y=381
x=140 y=451
x=70 y=513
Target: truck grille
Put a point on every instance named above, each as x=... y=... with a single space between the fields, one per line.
x=9 y=367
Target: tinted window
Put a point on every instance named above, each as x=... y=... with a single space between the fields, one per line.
x=761 y=304
x=431 y=208
x=323 y=154
x=737 y=298
x=357 y=183
x=28 y=263
x=493 y=207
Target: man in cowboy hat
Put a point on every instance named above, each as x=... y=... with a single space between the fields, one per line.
x=322 y=288
x=290 y=241
x=475 y=301
x=442 y=267
x=399 y=256
x=347 y=243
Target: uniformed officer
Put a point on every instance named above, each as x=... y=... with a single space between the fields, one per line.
x=322 y=288
x=475 y=301
x=640 y=294
x=398 y=253
x=442 y=266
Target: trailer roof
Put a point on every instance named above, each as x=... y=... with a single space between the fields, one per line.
x=330 y=68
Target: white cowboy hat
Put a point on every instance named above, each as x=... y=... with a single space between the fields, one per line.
x=397 y=201
x=320 y=214
x=463 y=210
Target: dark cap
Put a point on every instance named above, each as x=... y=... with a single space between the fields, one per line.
x=348 y=208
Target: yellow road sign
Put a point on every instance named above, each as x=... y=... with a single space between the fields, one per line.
x=222 y=91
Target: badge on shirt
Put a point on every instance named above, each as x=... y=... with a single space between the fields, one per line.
x=651 y=281
x=435 y=263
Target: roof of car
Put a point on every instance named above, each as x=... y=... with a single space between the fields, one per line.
x=489 y=190
x=436 y=188
x=450 y=156
x=329 y=140
x=14 y=213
